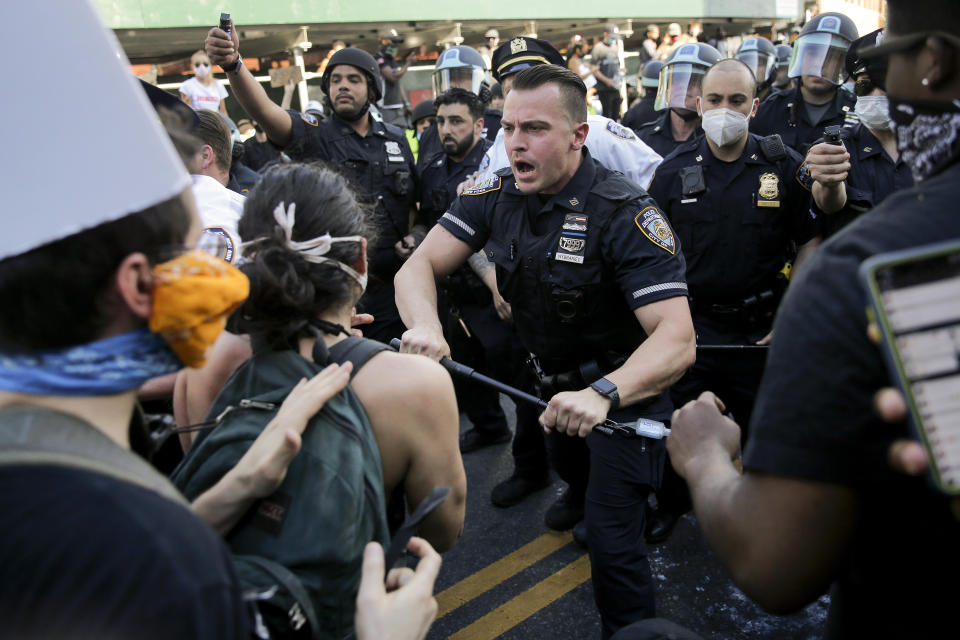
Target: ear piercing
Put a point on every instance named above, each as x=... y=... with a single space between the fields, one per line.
x=925 y=82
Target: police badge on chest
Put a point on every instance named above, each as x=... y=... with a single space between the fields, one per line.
x=573 y=239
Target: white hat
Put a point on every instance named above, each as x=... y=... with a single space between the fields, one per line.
x=53 y=184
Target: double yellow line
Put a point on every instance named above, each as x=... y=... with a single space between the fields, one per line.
x=526 y=604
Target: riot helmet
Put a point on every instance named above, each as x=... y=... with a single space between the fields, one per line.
x=361 y=60
x=761 y=56
x=682 y=75
x=784 y=53
x=821 y=49
x=461 y=67
x=650 y=74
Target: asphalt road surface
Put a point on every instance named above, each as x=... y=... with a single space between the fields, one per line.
x=510 y=577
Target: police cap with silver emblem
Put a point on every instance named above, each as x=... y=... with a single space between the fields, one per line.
x=521 y=52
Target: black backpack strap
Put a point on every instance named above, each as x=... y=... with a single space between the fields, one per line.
x=290 y=600
x=773 y=148
x=357 y=351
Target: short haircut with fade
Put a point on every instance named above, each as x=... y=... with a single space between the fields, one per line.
x=213 y=130
x=732 y=64
x=457 y=95
x=573 y=93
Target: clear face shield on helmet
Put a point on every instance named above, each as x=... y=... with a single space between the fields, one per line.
x=762 y=64
x=468 y=78
x=821 y=55
x=680 y=85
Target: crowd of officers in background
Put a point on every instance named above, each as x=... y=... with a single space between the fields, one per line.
x=760 y=153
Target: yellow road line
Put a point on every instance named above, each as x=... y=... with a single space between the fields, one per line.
x=512 y=613
x=504 y=568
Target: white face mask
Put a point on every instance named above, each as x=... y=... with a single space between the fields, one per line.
x=874 y=112
x=724 y=126
x=202 y=70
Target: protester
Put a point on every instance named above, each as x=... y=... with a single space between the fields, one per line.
x=391 y=70
x=607 y=70
x=202 y=91
x=817 y=506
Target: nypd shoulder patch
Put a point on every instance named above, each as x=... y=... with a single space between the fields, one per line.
x=653 y=225
x=491 y=184
x=621 y=131
x=310 y=119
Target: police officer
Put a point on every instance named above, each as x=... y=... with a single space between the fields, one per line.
x=477 y=336
x=760 y=55
x=612 y=144
x=596 y=281
x=739 y=212
x=783 y=82
x=424 y=116
x=801 y=115
x=461 y=67
x=374 y=156
x=859 y=173
x=678 y=90
x=618 y=148
x=643 y=111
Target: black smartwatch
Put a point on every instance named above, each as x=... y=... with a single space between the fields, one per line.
x=608 y=390
x=230 y=68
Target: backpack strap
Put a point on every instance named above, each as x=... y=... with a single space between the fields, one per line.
x=357 y=351
x=42 y=437
x=773 y=148
x=257 y=572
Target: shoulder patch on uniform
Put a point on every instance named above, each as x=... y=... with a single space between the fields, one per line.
x=490 y=184
x=310 y=119
x=218 y=242
x=621 y=131
x=803 y=176
x=653 y=225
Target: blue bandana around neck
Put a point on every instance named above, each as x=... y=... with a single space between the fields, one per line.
x=112 y=365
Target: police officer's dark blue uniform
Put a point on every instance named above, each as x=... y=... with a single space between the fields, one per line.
x=872 y=177
x=381 y=169
x=738 y=223
x=659 y=136
x=818 y=52
x=783 y=113
x=574 y=268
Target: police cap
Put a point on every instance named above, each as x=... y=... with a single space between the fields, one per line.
x=875 y=67
x=355 y=58
x=521 y=52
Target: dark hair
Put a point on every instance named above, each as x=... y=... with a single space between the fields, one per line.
x=57 y=295
x=457 y=95
x=286 y=291
x=732 y=62
x=573 y=93
x=212 y=130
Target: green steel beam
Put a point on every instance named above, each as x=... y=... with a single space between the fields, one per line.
x=159 y=14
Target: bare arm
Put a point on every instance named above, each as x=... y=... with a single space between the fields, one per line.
x=670 y=348
x=487 y=273
x=829 y=166
x=415 y=283
x=782 y=539
x=413 y=411
x=222 y=49
x=393 y=75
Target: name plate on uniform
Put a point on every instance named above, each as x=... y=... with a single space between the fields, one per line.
x=768 y=203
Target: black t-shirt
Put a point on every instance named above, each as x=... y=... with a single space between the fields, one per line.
x=84 y=555
x=813 y=420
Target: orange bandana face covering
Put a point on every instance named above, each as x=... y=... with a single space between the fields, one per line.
x=193 y=296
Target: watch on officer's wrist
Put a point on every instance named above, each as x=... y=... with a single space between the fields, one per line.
x=233 y=66
x=608 y=390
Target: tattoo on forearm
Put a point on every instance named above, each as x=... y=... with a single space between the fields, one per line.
x=479 y=263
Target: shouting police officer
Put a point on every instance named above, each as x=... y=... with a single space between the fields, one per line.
x=596 y=282
x=800 y=115
x=739 y=212
x=677 y=94
x=374 y=156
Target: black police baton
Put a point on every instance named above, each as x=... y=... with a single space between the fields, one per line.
x=642 y=427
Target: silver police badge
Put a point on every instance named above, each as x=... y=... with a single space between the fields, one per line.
x=518 y=45
x=392 y=147
x=573 y=239
x=653 y=225
x=573 y=245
